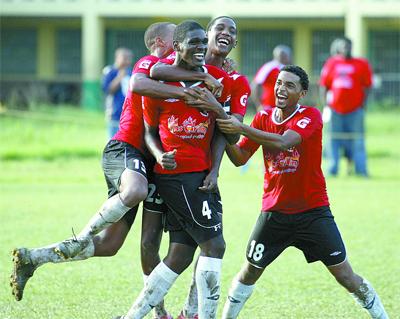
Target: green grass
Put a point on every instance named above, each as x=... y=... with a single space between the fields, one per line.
x=51 y=180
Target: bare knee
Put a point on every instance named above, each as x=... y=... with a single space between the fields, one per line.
x=214 y=247
x=134 y=194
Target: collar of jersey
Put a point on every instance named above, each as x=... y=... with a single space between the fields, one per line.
x=286 y=119
x=196 y=83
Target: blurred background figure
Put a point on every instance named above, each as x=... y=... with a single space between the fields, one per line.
x=344 y=86
x=115 y=86
x=264 y=81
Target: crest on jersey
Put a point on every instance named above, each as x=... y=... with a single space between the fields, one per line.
x=145 y=64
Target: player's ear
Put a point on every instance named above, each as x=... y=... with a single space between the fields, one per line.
x=303 y=93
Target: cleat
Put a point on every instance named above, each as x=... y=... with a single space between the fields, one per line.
x=70 y=248
x=22 y=271
x=182 y=316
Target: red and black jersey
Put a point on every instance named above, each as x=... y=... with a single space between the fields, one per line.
x=131 y=128
x=184 y=128
x=240 y=93
x=293 y=180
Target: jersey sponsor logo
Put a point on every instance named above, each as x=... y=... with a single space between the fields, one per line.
x=189 y=127
x=243 y=99
x=145 y=64
x=283 y=162
x=303 y=122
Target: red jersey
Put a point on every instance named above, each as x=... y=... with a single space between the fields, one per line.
x=240 y=92
x=267 y=76
x=131 y=128
x=345 y=80
x=185 y=128
x=293 y=180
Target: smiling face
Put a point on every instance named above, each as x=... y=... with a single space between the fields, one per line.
x=222 y=36
x=192 y=50
x=288 y=91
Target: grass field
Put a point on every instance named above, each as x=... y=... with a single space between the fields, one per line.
x=51 y=180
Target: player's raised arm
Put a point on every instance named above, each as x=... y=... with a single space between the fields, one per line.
x=167 y=72
x=141 y=84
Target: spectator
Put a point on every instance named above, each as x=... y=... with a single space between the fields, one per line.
x=115 y=86
x=264 y=81
x=344 y=85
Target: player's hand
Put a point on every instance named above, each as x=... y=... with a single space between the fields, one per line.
x=210 y=183
x=213 y=85
x=230 y=126
x=167 y=160
x=203 y=99
x=229 y=65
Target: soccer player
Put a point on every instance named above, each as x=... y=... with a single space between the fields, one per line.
x=345 y=83
x=295 y=207
x=264 y=81
x=126 y=171
x=180 y=137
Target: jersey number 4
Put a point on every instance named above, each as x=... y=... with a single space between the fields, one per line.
x=206 y=210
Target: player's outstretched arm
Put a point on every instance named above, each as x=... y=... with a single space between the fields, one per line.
x=153 y=143
x=237 y=155
x=173 y=73
x=270 y=140
x=141 y=84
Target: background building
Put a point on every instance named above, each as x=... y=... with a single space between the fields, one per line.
x=54 y=50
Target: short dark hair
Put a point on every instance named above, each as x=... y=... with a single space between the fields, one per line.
x=155 y=30
x=211 y=23
x=295 y=69
x=184 y=27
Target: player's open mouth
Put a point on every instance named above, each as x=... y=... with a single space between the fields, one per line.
x=199 y=56
x=281 y=98
x=223 y=41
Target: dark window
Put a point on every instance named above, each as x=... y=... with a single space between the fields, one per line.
x=257 y=45
x=321 y=47
x=68 y=48
x=18 y=51
x=131 y=39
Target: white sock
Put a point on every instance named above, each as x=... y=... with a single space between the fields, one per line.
x=111 y=212
x=159 y=310
x=367 y=298
x=43 y=255
x=158 y=283
x=208 y=275
x=190 y=309
x=238 y=295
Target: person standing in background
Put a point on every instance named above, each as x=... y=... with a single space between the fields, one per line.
x=115 y=86
x=264 y=81
x=344 y=85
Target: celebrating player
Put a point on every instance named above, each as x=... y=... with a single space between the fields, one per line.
x=180 y=139
x=126 y=171
x=295 y=208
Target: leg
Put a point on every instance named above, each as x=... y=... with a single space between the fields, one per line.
x=191 y=308
x=241 y=289
x=161 y=279
x=360 y=289
x=358 y=143
x=335 y=142
x=208 y=274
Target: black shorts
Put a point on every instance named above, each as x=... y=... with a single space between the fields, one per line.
x=314 y=232
x=194 y=216
x=118 y=156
